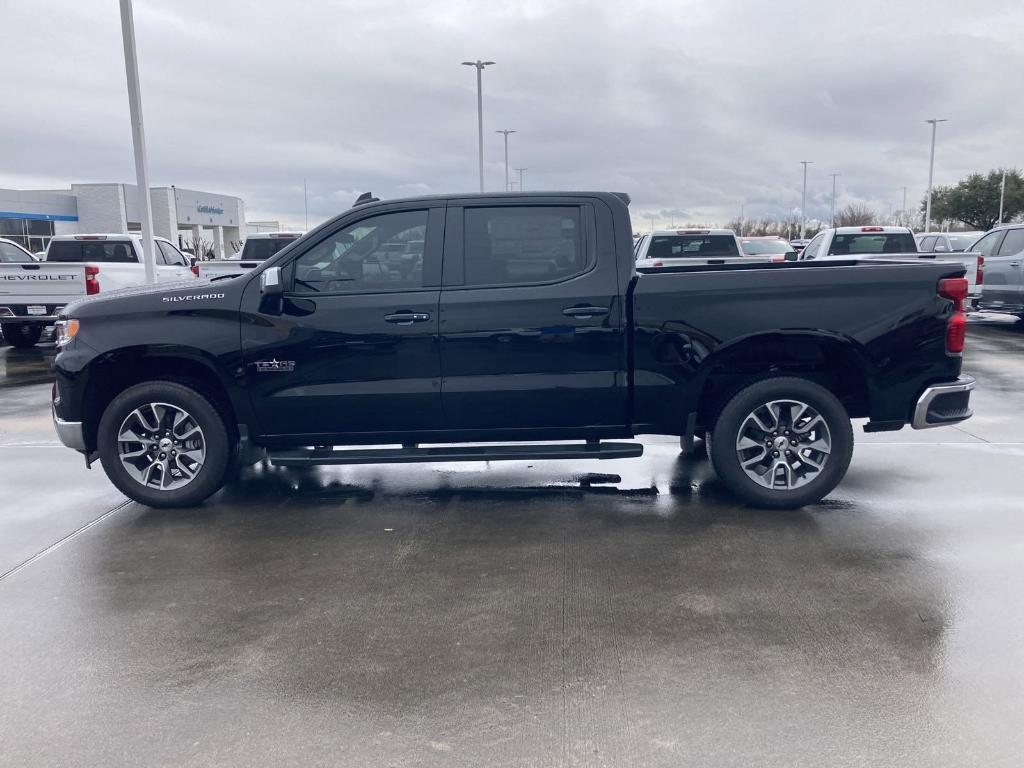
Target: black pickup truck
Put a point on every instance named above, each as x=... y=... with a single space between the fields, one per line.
x=517 y=319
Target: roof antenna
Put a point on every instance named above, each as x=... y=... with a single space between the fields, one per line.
x=366 y=197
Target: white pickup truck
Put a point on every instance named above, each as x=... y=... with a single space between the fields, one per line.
x=877 y=242
x=257 y=249
x=33 y=294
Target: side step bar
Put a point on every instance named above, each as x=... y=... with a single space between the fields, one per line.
x=594 y=450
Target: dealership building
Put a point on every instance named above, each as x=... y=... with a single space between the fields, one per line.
x=183 y=216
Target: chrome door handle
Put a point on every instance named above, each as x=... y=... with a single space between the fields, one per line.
x=584 y=313
x=407 y=318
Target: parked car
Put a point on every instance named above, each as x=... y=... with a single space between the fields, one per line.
x=774 y=247
x=881 y=242
x=947 y=242
x=32 y=294
x=799 y=244
x=527 y=322
x=666 y=247
x=1003 y=251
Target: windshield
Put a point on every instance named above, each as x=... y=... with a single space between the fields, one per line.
x=263 y=248
x=874 y=242
x=691 y=246
x=751 y=247
x=12 y=254
x=963 y=242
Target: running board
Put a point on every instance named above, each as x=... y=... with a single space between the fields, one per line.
x=310 y=456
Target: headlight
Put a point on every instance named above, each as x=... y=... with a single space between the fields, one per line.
x=66 y=331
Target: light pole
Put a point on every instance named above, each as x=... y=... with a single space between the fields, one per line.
x=931 y=167
x=832 y=218
x=131 y=66
x=479 y=110
x=803 y=202
x=1002 y=194
x=522 y=171
x=506 y=132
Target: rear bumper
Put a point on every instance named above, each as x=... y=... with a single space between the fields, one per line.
x=69 y=432
x=16 y=314
x=943 y=404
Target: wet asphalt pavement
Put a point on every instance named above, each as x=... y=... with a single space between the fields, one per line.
x=460 y=615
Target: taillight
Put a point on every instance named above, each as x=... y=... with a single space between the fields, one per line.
x=980 y=274
x=92 y=280
x=955 y=289
x=195 y=270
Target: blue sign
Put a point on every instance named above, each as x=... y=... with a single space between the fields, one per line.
x=209 y=209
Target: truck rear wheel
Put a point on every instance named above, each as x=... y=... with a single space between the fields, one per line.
x=164 y=444
x=782 y=443
x=20 y=335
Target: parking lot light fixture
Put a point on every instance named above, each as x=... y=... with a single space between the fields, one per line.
x=803 y=200
x=506 y=132
x=832 y=216
x=479 y=111
x=931 y=168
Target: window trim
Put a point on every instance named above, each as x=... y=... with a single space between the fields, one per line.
x=431 y=251
x=454 y=275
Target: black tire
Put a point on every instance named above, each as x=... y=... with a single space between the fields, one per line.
x=21 y=336
x=725 y=458
x=218 y=446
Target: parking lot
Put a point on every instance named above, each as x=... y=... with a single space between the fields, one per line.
x=519 y=613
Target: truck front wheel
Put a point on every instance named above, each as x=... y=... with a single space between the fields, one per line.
x=164 y=444
x=782 y=443
x=21 y=336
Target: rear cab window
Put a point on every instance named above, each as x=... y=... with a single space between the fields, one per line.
x=262 y=248
x=872 y=242
x=108 y=251
x=692 y=246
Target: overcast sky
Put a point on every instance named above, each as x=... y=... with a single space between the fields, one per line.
x=691 y=107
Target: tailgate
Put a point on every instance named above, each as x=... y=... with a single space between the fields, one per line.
x=41 y=283
x=969 y=262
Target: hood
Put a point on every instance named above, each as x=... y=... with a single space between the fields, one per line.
x=160 y=295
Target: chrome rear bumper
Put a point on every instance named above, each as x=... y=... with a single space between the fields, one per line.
x=943 y=404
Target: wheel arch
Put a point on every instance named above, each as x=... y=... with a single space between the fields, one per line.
x=836 y=362
x=114 y=372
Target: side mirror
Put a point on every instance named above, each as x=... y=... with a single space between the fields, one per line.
x=941 y=249
x=792 y=256
x=192 y=261
x=270 y=281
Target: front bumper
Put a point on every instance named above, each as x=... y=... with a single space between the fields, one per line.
x=69 y=432
x=943 y=404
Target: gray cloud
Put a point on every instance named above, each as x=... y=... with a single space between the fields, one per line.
x=692 y=108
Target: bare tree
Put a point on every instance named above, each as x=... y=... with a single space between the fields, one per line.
x=201 y=249
x=855 y=215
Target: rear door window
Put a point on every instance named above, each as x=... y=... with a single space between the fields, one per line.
x=519 y=245
x=171 y=255
x=927 y=243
